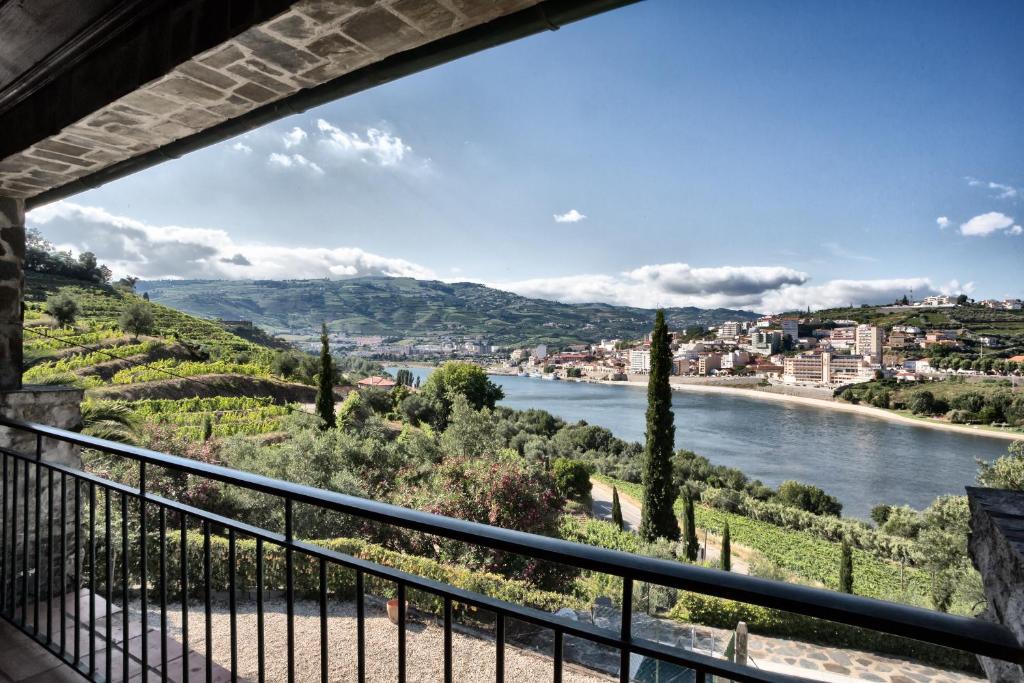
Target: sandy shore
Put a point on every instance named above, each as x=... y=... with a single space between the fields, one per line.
x=828 y=404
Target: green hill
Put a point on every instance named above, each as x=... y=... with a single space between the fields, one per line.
x=404 y=307
x=973 y=317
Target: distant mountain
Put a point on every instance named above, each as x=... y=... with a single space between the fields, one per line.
x=404 y=307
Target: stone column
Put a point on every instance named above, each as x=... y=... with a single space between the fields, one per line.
x=12 y=286
x=997 y=550
x=54 y=406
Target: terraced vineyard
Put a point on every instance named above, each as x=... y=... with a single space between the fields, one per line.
x=227 y=416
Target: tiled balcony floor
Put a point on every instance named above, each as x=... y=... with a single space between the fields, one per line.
x=23 y=660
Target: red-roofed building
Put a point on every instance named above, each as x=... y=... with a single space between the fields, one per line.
x=377 y=381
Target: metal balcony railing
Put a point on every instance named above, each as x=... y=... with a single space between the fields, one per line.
x=65 y=546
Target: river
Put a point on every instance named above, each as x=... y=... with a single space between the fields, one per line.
x=859 y=459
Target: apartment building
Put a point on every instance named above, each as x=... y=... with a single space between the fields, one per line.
x=868 y=341
x=729 y=330
x=639 y=361
x=826 y=369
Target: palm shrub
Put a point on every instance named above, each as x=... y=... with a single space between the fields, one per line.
x=658 y=518
x=111 y=420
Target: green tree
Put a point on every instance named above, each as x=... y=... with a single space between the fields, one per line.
x=63 y=308
x=808 y=497
x=658 y=519
x=325 y=382
x=846 y=568
x=467 y=379
x=404 y=377
x=691 y=544
x=726 y=549
x=137 y=319
x=207 y=427
x=616 y=509
x=922 y=403
x=1005 y=472
x=880 y=513
x=572 y=477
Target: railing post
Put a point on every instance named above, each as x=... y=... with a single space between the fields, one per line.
x=741 y=643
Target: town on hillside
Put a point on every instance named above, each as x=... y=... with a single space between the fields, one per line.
x=813 y=351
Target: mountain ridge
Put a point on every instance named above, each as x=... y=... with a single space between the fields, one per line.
x=406 y=307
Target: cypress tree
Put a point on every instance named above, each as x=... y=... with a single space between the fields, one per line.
x=726 y=549
x=616 y=508
x=658 y=518
x=846 y=568
x=207 y=428
x=692 y=545
x=325 y=382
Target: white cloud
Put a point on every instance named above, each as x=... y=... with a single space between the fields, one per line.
x=986 y=224
x=770 y=289
x=680 y=278
x=242 y=147
x=1002 y=190
x=1015 y=230
x=671 y=284
x=132 y=247
x=293 y=137
x=378 y=147
x=293 y=161
x=943 y=222
x=570 y=216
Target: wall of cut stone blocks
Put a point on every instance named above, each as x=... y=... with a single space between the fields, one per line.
x=57 y=407
x=12 y=286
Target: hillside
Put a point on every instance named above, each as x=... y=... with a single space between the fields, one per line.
x=975 y=318
x=404 y=307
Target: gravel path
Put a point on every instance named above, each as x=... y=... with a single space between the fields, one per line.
x=474 y=657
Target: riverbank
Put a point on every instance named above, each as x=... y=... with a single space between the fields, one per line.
x=830 y=404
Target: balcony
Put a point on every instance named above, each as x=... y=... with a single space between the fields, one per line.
x=85 y=560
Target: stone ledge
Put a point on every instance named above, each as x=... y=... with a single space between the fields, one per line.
x=996 y=545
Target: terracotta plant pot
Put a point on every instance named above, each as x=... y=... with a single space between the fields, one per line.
x=393 y=610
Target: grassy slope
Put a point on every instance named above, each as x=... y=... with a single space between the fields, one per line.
x=810 y=558
x=403 y=306
x=976 y=319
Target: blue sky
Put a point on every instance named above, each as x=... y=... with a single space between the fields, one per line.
x=764 y=155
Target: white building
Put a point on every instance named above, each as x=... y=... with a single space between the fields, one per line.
x=827 y=369
x=937 y=300
x=541 y=352
x=639 y=361
x=868 y=341
x=729 y=330
x=735 y=359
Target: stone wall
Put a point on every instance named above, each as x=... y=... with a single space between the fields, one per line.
x=12 y=285
x=57 y=407
x=997 y=550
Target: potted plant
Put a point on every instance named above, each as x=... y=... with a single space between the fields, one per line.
x=393 y=610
